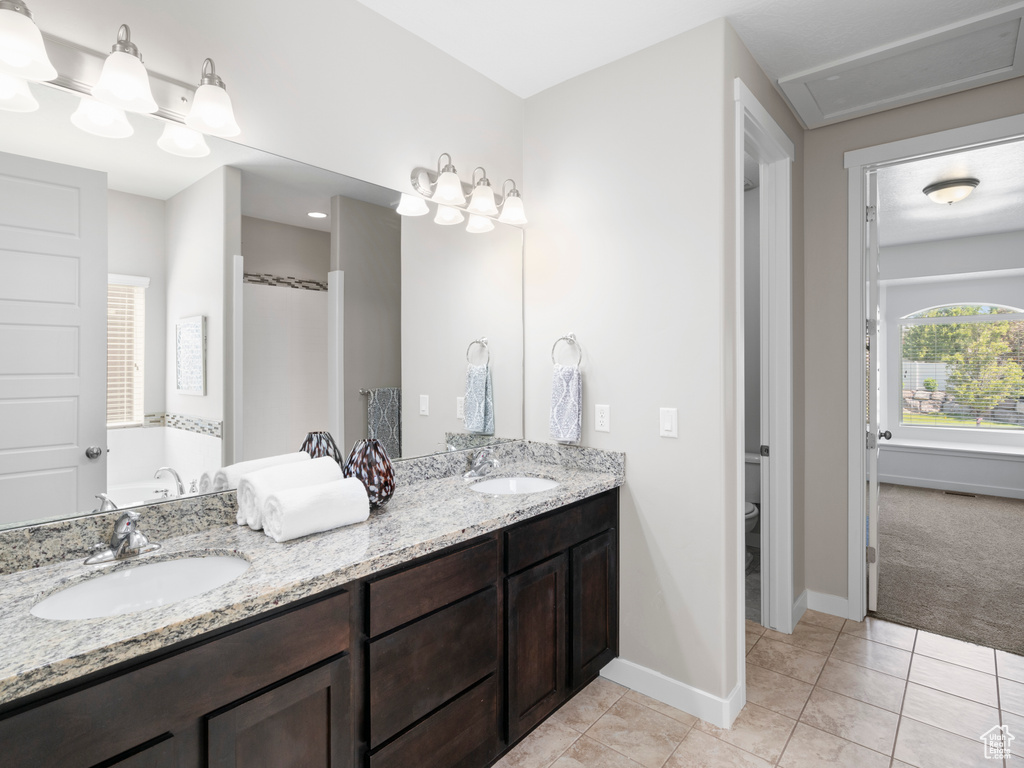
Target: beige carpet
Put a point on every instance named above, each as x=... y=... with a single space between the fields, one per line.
x=953 y=565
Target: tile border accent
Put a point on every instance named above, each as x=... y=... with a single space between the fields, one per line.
x=714 y=709
x=196 y=424
x=284 y=281
x=831 y=604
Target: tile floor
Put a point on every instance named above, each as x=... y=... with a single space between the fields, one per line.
x=834 y=693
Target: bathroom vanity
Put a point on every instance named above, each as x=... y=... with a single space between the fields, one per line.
x=436 y=659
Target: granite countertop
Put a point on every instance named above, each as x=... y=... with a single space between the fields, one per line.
x=426 y=514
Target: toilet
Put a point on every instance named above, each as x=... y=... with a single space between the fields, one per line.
x=750 y=515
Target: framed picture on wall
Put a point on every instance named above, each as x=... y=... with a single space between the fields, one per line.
x=190 y=355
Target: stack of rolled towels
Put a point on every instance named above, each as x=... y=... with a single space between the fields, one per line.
x=292 y=495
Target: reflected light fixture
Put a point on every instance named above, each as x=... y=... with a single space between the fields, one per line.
x=317 y=215
x=447 y=215
x=479 y=224
x=512 y=209
x=15 y=95
x=211 y=110
x=448 y=189
x=182 y=141
x=22 y=52
x=124 y=82
x=482 y=200
x=101 y=119
x=410 y=205
x=952 y=191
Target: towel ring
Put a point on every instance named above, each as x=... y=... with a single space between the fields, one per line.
x=569 y=338
x=482 y=341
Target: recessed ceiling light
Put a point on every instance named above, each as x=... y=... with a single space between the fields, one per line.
x=952 y=191
x=317 y=215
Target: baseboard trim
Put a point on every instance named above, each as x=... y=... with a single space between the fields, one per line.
x=706 y=706
x=947 y=485
x=830 y=604
x=799 y=607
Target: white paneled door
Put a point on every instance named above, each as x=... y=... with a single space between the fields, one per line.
x=53 y=357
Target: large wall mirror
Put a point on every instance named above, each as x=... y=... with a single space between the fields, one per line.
x=189 y=313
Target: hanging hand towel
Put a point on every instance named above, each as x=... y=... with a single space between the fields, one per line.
x=256 y=487
x=384 y=419
x=298 y=512
x=566 y=422
x=226 y=478
x=479 y=405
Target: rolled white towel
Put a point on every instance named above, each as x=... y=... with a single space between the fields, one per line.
x=298 y=512
x=226 y=478
x=255 y=487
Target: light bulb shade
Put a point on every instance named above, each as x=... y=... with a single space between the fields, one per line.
x=512 y=210
x=183 y=142
x=410 y=205
x=15 y=95
x=447 y=215
x=952 y=191
x=479 y=224
x=124 y=83
x=212 y=113
x=22 y=52
x=101 y=119
x=448 y=190
x=482 y=201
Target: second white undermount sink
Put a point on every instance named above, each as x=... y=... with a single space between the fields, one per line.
x=513 y=485
x=143 y=586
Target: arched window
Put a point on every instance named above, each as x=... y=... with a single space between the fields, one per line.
x=963 y=367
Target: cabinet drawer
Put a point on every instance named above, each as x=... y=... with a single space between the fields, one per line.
x=464 y=734
x=417 y=668
x=414 y=592
x=538 y=540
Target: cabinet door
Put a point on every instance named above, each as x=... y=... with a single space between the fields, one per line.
x=158 y=755
x=594 y=600
x=536 y=643
x=303 y=723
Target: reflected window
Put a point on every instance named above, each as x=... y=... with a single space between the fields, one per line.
x=126 y=339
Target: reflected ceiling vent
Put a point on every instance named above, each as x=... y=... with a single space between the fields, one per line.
x=979 y=51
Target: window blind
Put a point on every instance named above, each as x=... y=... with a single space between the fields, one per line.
x=126 y=333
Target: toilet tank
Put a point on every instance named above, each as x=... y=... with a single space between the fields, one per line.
x=752 y=478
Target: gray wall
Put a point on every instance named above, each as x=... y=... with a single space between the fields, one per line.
x=285 y=250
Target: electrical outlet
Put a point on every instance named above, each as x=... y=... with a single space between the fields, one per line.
x=669 y=422
x=460 y=408
x=424 y=405
x=602 y=418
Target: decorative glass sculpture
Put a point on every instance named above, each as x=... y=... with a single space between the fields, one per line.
x=370 y=463
x=319 y=444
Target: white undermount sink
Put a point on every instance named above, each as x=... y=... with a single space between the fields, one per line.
x=509 y=485
x=146 y=585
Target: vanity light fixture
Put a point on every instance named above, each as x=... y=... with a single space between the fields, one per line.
x=15 y=95
x=182 y=141
x=952 y=191
x=22 y=52
x=124 y=82
x=448 y=188
x=211 y=110
x=410 y=205
x=447 y=215
x=101 y=119
x=317 y=215
x=479 y=224
x=482 y=200
x=512 y=209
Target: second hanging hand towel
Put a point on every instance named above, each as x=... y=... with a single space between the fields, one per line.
x=566 y=423
x=479 y=404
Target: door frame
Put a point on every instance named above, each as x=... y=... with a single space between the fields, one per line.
x=758 y=133
x=858 y=163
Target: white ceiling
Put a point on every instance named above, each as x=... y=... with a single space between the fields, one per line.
x=906 y=215
x=530 y=45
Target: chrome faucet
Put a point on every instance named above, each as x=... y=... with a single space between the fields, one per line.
x=177 y=479
x=481 y=463
x=106 y=503
x=126 y=541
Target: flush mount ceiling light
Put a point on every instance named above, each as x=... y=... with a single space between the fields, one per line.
x=211 y=110
x=448 y=189
x=22 y=52
x=447 y=215
x=317 y=215
x=479 y=224
x=183 y=142
x=482 y=200
x=15 y=95
x=512 y=209
x=952 y=191
x=101 y=119
x=410 y=205
x=124 y=82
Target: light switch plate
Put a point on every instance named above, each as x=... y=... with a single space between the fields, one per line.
x=669 y=422
x=424 y=405
x=460 y=408
x=602 y=418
